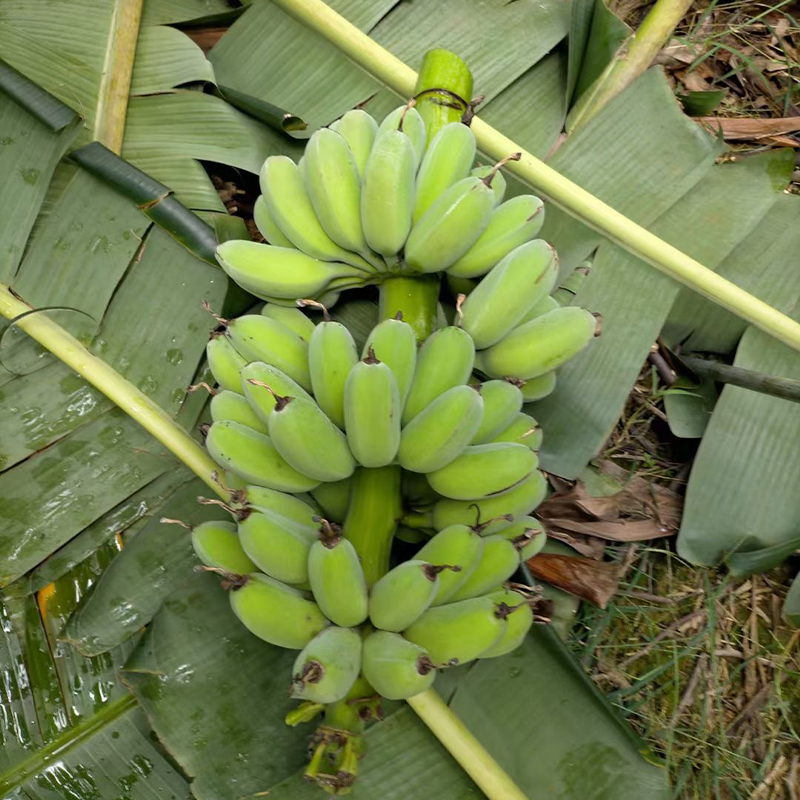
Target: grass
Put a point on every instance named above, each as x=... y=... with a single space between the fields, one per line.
x=700 y=664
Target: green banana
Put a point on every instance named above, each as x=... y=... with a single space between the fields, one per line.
x=290 y=510
x=253 y=457
x=359 y=130
x=217 y=545
x=331 y=355
x=523 y=429
x=499 y=184
x=256 y=377
x=260 y=338
x=541 y=345
x=232 y=406
x=513 y=223
x=445 y=360
x=277 y=613
x=456 y=544
x=285 y=195
x=327 y=666
x=276 y=548
x=502 y=401
x=404 y=593
x=334 y=498
x=502 y=509
x=532 y=529
x=372 y=412
x=447 y=160
x=459 y=286
x=272 y=272
x=417 y=491
x=502 y=298
x=407 y=120
x=267 y=226
x=336 y=577
x=450 y=226
x=395 y=344
x=538 y=388
x=500 y=559
x=387 y=193
x=293 y=318
x=484 y=470
x=570 y=286
x=519 y=622
x=457 y=633
x=224 y=362
x=334 y=186
x=548 y=303
x=395 y=667
x=309 y=441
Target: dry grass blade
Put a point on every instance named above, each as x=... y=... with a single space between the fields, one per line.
x=750 y=128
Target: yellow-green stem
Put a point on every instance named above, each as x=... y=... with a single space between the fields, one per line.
x=572 y=198
x=371 y=521
x=115 y=80
x=130 y=399
x=446 y=72
x=490 y=777
x=417 y=299
x=625 y=67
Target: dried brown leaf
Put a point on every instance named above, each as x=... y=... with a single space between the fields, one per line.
x=591 y=580
x=750 y=127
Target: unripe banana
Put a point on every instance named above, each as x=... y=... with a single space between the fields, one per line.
x=395 y=344
x=327 y=666
x=459 y=545
x=336 y=578
x=309 y=441
x=270 y=272
x=288 y=509
x=403 y=594
x=253 y=457
x=502 y=401
x=513 y=223
x=359 y=130
x=533 y=530
x=484 y=470
x=334 y=186
x=217 y=545
x=457 y=633
x=517 y=502
x=450 y=226
x=408 y=121
x=277 y=549
x=519 y=622
x=538 y=388
x=293 y=318
x=234 y=407
x=447 y=160
x=256 y=377
x=459 y=286
x=499 y=184
x=441 y=431
x=541 y=345
x=503 y=297
x=387 y=193
x=285 y=194
x=565 y=294
x=445 y=360
x=275 y=612
x=260 y=338
x=548 y=303
x=372 y=413
x=500 y=559
x=224 y=362
x=267 y=226
x=331 y=355
x=334 y=498
x=395 y=667
x=524 y=429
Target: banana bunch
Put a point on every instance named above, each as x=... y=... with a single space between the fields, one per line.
x=368 y=201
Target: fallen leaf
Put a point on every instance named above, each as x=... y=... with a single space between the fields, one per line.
x=750 y=127
x=595 y=581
